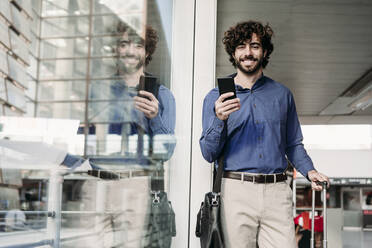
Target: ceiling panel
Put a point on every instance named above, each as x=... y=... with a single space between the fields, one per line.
x=321 y=47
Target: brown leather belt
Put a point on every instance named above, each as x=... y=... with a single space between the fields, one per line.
x=261 y=178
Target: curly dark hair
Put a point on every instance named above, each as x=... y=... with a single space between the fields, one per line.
x=242 y=32
x=151 y=38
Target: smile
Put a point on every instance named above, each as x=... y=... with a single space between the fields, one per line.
x=248 y=62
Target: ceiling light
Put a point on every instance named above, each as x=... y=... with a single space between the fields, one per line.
x=359 y=85
x=363 y=102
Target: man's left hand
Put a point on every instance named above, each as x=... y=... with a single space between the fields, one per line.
x=147 y=103
x=315 y=177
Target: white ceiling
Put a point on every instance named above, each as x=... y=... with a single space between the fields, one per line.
x=320 y=47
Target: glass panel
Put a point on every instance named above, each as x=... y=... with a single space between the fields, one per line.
x=64 y=26
x=4 y=34
x=5 y=10
x=62 y=69
x=109 y=7
x=36 y=6
x=71 y=110
x=21 y=22
x=351 y=200
x=17 y=71
x=35 y=24
x=3 y=62
x=16 y=96
x=107 y=24
x=103 y=68
x=352 y=208
x=367 y=199
x=25 y=5
x=106 y=139
x=34 y=47
x=65 y=7
x=31 y=90
x=111 y=111
x=30 y=106
x=11 y=111
x=32 y=69
x=103 y=89
x=2 y=90
x=61 y=90
x=120 y=140
x=19 y=47
x=104 y=46
x=64 y=48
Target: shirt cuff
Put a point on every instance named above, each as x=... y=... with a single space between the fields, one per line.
x=306 y=168
x=156 y=124
x=218 y=125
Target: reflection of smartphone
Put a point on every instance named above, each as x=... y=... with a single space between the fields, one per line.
x=225 y=85
x=149 y=84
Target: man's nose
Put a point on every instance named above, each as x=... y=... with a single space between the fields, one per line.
x=247 y=51
x=131 y=49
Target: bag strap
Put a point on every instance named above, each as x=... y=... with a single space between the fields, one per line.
x=218 y=178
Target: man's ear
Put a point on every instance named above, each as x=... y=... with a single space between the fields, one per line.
x=264 y=53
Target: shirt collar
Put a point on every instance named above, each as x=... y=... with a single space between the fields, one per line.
x=260 y=81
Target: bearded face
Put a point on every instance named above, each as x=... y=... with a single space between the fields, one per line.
x=131 y=54
x=249 y=64
x=249 y=56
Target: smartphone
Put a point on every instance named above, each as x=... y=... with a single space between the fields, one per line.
x=149 y=84
x=226 y=84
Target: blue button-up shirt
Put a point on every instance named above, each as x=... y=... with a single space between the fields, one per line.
x=258 y=137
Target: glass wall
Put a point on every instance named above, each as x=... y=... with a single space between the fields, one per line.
x=89 y=82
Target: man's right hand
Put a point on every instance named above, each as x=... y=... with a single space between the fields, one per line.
x=224 y=109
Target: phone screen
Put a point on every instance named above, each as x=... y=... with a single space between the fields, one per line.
x=225 y=85
x=149 y=84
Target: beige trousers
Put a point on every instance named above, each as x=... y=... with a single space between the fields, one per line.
x=254 y=214
x=126 y=207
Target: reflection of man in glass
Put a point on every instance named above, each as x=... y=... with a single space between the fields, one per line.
x=152 y=113
x=142 y=215
x=133 y=54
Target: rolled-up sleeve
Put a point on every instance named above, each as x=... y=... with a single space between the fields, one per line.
x=214 y=131
x=295 y=150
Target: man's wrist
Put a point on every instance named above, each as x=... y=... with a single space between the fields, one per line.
x=309 y=173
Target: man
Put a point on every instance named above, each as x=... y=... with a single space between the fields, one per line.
x=254 y=133
x=128 y=110
x=136 y=113
x=153 y=114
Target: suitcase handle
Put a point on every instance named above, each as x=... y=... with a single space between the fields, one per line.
x=324 y=189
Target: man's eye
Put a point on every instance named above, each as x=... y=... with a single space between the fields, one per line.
x=240 y=47
x=123 y=44
x=139 y=45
